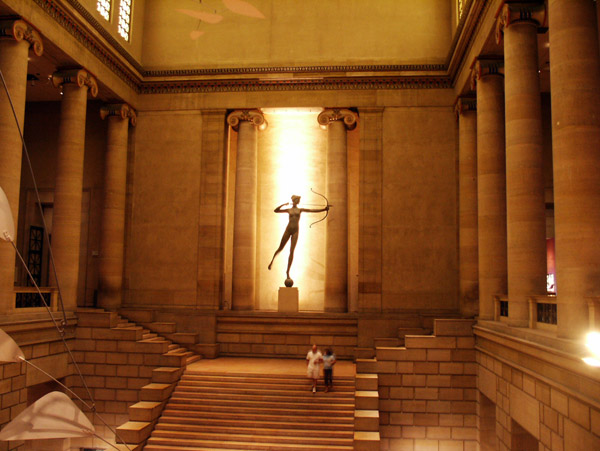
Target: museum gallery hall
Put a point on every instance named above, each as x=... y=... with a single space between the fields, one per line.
x=193 y=193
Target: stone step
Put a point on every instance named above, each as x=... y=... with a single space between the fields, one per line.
x=367 y=381
x=181 y=404
x=138 y=315
x=364 y=353
x=295 y=387
x=387 y=342
x=453 y=327
x=161 y=327
x=145 y=410
x=366 y=420
x=135 y=431
x=366 y=441
x=156 y=392
x=252 y=429
x=275 y=422
x=367 y=400
x=257 y=391
x=258 y=378
x=182 y=415
x=96 y=318
x=207 y=445
x=149 y=335
x=191 y=437
x=166 y=375
x=243 y=403
x=264 y=396
x=192 y=358
x=366 y=366
x=184 y=338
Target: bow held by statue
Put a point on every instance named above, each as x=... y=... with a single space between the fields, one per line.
x=326 y=211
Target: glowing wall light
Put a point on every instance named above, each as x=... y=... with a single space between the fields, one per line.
x=292 y=159
x=592 y=342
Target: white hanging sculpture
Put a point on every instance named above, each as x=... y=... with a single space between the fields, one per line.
x=7 y=225
x=9 y=350
x=50 y=417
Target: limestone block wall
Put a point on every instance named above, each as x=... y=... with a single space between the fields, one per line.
x=427 y=390
x=517 y=406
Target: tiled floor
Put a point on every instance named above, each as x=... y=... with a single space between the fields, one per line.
x=265 y=366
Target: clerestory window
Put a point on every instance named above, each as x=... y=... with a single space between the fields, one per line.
x=103 y=7
x=125 y=18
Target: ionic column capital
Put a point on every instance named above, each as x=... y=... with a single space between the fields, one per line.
x=463 y=104
x=255 y=117
x=121 y=110
x=483 y=66
x=20 y=30
x=80 y=77
x=533 y=13
x=337 y=114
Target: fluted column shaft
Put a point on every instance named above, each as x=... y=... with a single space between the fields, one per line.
x=15 y=39
x=467 y=206
x=491 y=189
x=336 y=248
x=68 y=190
x=245 y=209
x=525 y=205
x=575 y=78
x=112 y=231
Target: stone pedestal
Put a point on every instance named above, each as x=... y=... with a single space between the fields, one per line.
x=288 y=299
x=17 y=37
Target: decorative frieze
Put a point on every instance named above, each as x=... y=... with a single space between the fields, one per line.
x=463 y=104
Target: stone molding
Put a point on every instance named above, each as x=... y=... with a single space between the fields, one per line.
x=80 y=77
x=20 y=30
x=255 y=117
x=464 y=104
x=336 y=114
x=483 y=66
x=121 y=110
x=532 y=13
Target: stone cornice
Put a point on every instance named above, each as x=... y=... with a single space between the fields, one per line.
x=20 y=30
x=86 y=29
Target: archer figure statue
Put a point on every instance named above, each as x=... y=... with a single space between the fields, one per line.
x=292 y=230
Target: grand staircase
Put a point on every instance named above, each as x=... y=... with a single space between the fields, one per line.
x=241 y=412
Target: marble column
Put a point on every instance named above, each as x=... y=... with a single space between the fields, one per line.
x=491 y=183
x=338 y=121
x=575 y=93
x=16 y=37
x=246 y=123
x=66 y=219
x=112 y=230
x=466 y=112
x=525 y=203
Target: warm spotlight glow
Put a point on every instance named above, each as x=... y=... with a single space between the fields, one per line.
x=591 y=361
x=592 y=342
x=292 y=155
